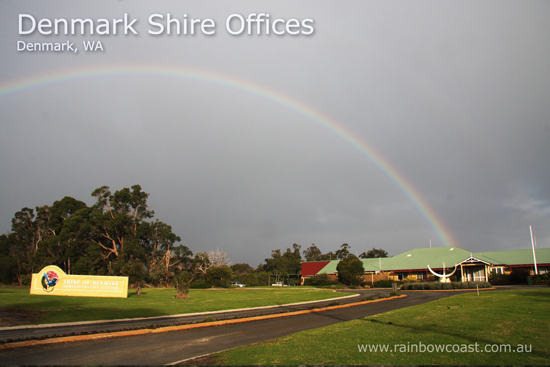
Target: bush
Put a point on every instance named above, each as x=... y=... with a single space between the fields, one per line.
x=384 y=284
x=200 y=284
x=256 y=279
x=321 y=279
x=394 y=294
x=448 y=286
x=519 y=276
x=219 y=276
x=499 y=279
x=541 y=279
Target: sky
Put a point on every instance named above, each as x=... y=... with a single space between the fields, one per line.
x=385 y=124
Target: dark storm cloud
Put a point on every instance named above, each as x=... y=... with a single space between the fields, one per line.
x=454 y=95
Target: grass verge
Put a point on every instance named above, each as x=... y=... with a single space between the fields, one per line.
x=511 y=318
x=154 y=302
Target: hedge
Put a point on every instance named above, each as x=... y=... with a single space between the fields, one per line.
x=443 y=286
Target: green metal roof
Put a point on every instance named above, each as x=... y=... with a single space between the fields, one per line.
x=435 y=256
x=515 y=257
x=368 y=264
x=420 y=258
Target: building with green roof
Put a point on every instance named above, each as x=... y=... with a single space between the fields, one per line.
x=433 y=263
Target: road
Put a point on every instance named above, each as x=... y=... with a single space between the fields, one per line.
x=171 y=347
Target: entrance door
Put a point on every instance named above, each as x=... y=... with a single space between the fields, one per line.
x=474 y=273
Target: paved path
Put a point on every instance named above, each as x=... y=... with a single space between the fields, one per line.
x=172 y=347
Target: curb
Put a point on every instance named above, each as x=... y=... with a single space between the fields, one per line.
x=78 y=323
x=69 y=339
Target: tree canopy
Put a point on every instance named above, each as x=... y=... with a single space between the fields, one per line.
x=114 y=236
x=350 y=270
x=375 y=252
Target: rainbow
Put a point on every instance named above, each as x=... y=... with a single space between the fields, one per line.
x=33 y=82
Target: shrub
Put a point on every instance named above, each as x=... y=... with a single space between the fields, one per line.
x=200 y=284
x=219 y=276
x=321 y=279
x=499 y=279
x=519 y=276
x=439 y=285
x=541 y=279
x=384 y=284
x=430 y=286
x=394 y=294
x=409 y=280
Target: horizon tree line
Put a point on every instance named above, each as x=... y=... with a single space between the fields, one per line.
x=119 y=236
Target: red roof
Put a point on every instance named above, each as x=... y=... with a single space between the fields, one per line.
x=313 y=267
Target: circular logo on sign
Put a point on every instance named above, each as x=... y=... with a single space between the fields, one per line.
x=49 y=280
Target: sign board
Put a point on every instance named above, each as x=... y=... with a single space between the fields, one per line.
x=52 y=280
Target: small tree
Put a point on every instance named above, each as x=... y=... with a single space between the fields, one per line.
x=182 y=284
x=350 y=270
x=135 y=271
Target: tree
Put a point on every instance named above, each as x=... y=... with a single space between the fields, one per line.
x=109 y=237
x=209 y=259
x=374 y=253
x=343 y=252
x=116 y=219
x=241 y=271
x=350 y=270
x=290 y=261
x=23 y=243
x=57 y=248
x=164 y=255
x=241 y=268
x=183 y=280
x=219 y=276
x=312 y=253
x=135 y=271
x=218 y=257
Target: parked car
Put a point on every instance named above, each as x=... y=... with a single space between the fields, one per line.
x=237 y=284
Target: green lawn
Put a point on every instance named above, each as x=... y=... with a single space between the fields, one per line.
x=153 y=302
x=499 y=317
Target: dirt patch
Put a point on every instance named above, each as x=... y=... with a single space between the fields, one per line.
x=10 y=316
